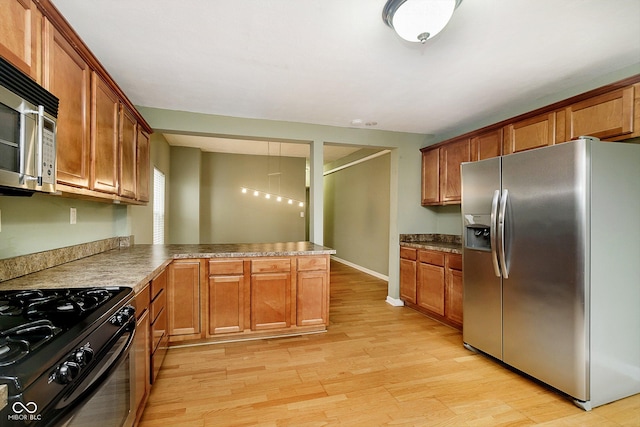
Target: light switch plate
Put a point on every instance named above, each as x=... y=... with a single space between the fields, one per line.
x=72 y=216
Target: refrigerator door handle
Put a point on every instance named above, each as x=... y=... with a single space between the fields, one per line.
x=493 y=233
x=501 y=219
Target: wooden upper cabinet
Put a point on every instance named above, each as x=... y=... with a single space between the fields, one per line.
x=486 y=145
x=451 y=157
x=531 y=133
x=105 y=108
x=68 y=77
x=441 y=172
x=20 y=36
x=609 y=115
x=431 y=176
x=142 y=166
x=128 y=153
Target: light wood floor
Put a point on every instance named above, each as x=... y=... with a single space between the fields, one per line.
x=377 y=365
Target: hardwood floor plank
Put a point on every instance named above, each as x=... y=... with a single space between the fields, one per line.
x=377 y=365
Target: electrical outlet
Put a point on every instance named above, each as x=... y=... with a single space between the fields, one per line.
x=72 y=216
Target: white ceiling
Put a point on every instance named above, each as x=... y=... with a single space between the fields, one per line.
x=332 y=61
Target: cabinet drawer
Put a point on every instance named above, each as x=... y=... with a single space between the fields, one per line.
x=312 y=263
x=431 y=257
x=159 y=329
x=141 y=301
x=270 y=265
x=408 y=253
x=455 y=261
x=226 y=267
x=158 y=284
x=158 y=304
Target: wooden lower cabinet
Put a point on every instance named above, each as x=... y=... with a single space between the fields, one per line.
x=223 y=298
x=430 y=288
x=432 y=284
x=183 y=299
x=311 y=298
x=141 y=371
x=270 y=301
x=227 y=297
x=454 y=289
x=408 y=274
x=159 y=323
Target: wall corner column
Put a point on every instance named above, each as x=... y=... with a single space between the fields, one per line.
x=316 y=193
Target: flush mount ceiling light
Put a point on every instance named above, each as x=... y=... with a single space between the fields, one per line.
x=418 y=20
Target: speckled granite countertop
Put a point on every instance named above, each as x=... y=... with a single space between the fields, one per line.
x=437 y=242
x=136 y=265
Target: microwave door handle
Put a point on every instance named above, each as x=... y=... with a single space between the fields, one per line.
x=493 y=232
x=40 y=146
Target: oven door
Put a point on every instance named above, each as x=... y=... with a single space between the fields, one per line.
x=105 y=397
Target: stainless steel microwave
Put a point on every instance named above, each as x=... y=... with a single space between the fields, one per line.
x=27 y=134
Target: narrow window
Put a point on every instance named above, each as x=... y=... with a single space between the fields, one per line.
x=158 y=207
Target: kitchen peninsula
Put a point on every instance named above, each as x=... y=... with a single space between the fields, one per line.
x=276 y=287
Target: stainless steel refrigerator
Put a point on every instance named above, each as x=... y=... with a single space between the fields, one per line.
x=551 y=265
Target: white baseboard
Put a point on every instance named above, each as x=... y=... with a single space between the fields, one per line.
x=358 y=267
x=395 y=302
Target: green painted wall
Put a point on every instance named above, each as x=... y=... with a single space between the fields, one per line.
x=184 y=190
x=356 y=213
x=41 y=222
x=229 y=216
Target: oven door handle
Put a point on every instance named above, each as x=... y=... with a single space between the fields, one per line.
x=105 y=367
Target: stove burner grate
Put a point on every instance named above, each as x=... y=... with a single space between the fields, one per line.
x=18 y=341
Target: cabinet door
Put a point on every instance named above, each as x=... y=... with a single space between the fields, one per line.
x=128 y=152
x=605 y=116
x=19 y=27
x=142 y=354
x=535 y=132
x=408 y=280
x=68 y=77
x=454 y=289
x=270 y=301
x=226 y=304
x=104 y=146
x=431 y=177
x=143 y=168
x=451 y=157
x=430 y=292
x=486 y=145
x=184 y=298
x=311 y=298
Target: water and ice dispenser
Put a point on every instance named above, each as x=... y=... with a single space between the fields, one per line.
x=477 y=232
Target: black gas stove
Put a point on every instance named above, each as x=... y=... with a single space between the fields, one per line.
x=56 y=346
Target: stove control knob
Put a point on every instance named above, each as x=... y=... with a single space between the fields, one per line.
x=123 y=316
x=83 y=356
x=66 y=372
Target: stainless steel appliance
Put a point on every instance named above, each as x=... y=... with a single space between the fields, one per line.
x=551 y=265
x=65 y=357
x=27 y=134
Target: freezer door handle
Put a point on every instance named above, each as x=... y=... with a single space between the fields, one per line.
x=493 y=232
x=501 y=219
